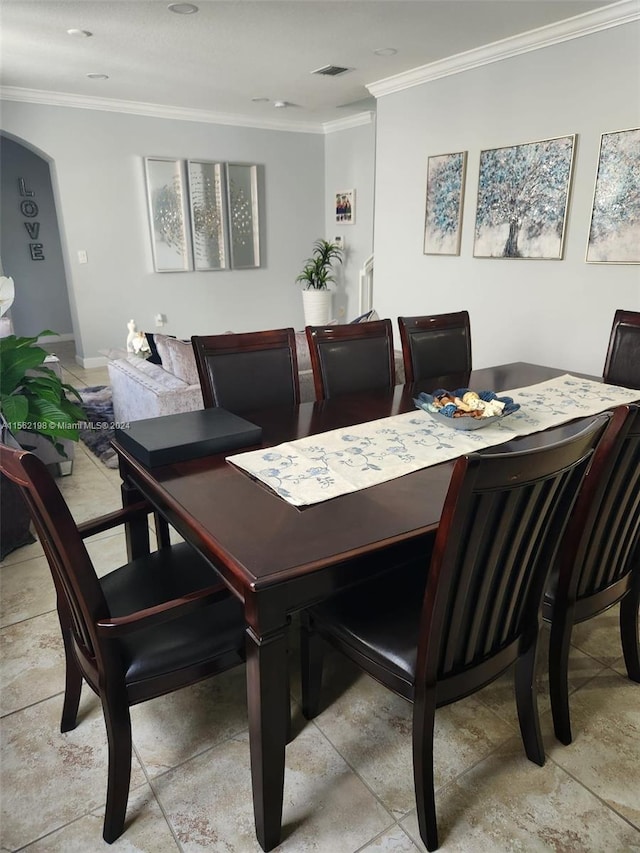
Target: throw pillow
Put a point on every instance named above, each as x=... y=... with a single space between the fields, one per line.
x=183 y=361
x=162 y=349
x=367 y=317
x=154 y=358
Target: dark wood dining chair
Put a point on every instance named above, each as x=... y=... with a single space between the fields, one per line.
x=457 y=619
x=350 y=358
x=622 y=364
x=435 y=345
x=599 y=562
x=251 y=370
x=159 y=623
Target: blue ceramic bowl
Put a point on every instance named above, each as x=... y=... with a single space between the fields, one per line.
x=426 y=403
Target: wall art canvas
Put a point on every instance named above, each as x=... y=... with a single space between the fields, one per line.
x=523 y=196
x=445 y=193
x=168 y=220
x=244 y=225
x=614 y=235
x=346 y=207
x=207 y=196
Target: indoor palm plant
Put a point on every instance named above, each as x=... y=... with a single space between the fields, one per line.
x=316 y=275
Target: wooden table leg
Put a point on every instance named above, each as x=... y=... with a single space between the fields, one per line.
x=267 y=684
x=136 y=532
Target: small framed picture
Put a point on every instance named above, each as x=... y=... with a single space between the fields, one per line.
x=346 y=207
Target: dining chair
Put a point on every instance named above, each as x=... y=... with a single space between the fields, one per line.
x=460 y=616
x=599 y=562
x=251 y=370
x=435 y=345
x=350 y=358
x=148 y=628
x=622 y=365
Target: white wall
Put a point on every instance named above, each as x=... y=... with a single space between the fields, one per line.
x=41 y=300
x=98 y=179
x=350 y=164
x=550 y=312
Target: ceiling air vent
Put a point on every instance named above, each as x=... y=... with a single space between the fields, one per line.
x=331 y=70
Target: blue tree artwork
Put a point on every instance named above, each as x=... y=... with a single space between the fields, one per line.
x=614 y=236
x=443 y=217
x=523 y=194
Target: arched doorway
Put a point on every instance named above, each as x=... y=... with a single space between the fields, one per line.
x=30 y=245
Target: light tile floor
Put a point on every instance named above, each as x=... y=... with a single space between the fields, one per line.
x=348 y=781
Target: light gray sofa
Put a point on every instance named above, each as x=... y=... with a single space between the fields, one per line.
x=142 y=389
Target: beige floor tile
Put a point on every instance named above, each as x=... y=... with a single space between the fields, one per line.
x=27 y=591
x=171 y=729
x=49 y=778
x=326 y=807
x=20 y=555
x=371 y=728
x=146 y=831
x=31 y=663
x=506 y=803
x=394 y=840
x=599 y=637
x=605 y=752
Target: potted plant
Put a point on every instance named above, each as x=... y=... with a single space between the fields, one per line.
x=35 y=414
x=316 y=275
x=33 y=399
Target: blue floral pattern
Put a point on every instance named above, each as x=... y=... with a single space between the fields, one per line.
x=335 y=463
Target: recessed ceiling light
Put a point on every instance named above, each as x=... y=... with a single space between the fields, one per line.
x=182 y=8
x=259 y=100
x=96 y=76
x=280 y=105
x=385 y=51
x=74 y=31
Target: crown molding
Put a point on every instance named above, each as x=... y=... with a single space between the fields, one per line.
x=351 y=121
x=614 y=15
x=63 y=99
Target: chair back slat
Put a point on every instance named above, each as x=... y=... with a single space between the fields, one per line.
x=73 y=573
x=252 y=370
x=501 y=527
x=607 y=517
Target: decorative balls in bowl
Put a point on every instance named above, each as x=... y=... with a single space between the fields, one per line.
x=466 y=409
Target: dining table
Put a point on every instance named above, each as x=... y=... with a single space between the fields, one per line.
x=279 y=559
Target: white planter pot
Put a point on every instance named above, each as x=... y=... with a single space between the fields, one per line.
x=317 y=307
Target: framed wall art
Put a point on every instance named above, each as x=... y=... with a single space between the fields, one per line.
x=168 y=216
x=346 y=207
x=443 y=212
x=208 y=202
x=523 y=196
x=244 y=225
x=614 y=233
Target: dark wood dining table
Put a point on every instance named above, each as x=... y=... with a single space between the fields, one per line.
x=278 y=559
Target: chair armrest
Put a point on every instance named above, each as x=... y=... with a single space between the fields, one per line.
x=113 y=519
x=165 y=612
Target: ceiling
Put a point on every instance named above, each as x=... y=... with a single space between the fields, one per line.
x=232 y=51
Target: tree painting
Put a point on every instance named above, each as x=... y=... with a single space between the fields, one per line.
x=443 y=219
x=523 y=192
x=614 y=236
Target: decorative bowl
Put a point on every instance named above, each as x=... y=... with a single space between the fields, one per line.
x=426 y=403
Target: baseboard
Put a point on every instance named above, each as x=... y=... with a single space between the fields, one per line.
x=53 y=339
x=96 y=361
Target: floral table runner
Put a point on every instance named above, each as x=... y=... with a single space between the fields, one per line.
x=324 y=466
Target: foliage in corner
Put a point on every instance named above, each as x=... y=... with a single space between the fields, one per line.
x=316 y=273
x=32 y=396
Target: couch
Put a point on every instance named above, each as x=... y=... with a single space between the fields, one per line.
x=167 y=382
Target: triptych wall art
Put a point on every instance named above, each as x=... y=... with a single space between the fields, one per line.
x=523 y=200
x=203 y=215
